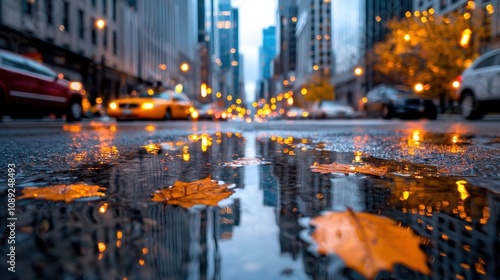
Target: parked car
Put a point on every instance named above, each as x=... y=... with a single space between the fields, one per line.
x=479 y=90
x=30 y=89
x=210 y=111
x=148 y=104
x=398 y=101
x=329 y=109
x=297 y=113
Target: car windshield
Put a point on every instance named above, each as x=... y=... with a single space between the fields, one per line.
x=331 y=104
x=401 y=90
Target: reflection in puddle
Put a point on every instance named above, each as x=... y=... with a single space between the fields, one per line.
x=254 y=234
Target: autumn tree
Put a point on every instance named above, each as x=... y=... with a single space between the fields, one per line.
x=430 y=49
x=318 y=88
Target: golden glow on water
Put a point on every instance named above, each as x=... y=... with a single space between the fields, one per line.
x=406 y=194
x=185 y=153
x=101 y=246
x=72 y=128
x=152 y=148
x=103 y=208
x=462 y=190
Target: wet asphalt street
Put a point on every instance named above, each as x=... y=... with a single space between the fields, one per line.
x=443 y=181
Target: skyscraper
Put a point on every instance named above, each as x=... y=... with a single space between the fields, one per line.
x=286 y=61
x=229 y=51
x=267 y=52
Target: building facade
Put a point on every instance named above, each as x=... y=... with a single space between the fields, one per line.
x=348 y=24
x=267 y=53
x=108 y=45
x=227 y=25
x=285 y=63
x=357 y=26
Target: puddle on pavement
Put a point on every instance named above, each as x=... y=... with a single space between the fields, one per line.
x=255 y=233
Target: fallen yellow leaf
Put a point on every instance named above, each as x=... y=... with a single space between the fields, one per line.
x=67 y=193
x=187 y=194
x=347 y=168
x=368 y=243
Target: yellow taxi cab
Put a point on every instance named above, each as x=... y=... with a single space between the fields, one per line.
x=161 y=105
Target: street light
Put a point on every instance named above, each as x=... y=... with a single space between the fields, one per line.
x=100 y=24
x=358 y=71
x=184 y=67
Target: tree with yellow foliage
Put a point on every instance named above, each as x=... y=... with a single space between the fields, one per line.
x=430 y=49
x=318 y=88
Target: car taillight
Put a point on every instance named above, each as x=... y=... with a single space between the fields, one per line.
x=456 y=83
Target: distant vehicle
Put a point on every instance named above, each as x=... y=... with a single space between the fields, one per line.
x=297 y=113
x=30 y=89
x=163 y=105
x=211 y=111
x=329 y=109
x=398 y=101
x=479 y=90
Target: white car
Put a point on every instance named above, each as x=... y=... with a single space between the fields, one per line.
x=328 y=109
x=479 y=90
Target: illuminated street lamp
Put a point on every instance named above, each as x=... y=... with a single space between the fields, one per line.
x=358 y=71
x=419 y=87
x=184 y=67
x=100 y=24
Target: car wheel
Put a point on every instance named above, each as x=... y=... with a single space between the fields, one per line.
x=387 y=112
x=431 y=114
x=470 y=107
x=168 y=115
x=74 y=111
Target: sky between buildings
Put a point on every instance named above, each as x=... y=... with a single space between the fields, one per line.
x=255 y=15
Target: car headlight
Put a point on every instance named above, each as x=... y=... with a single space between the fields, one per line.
x=113 y=106
x=194 y=114
x=147 y=105
x=76 y=86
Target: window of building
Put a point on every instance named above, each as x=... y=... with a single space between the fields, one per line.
x=114 y=10
x=93 y=3
x=115 y=48
x=444 y=3
x=93 y=33
x=105 y=37
x=65 y=19
x=104 y=7
x=81 y=23
x=49 y=11
x=27 y=7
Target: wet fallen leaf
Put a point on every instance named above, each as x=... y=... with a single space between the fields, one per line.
x=368 y=243
x=187 y=194
x=66 y=193
x=245 y=161
x=347 y=168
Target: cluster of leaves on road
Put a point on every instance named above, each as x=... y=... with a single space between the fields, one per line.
x=368 y=243
x=187 y=194
x=66 y=193
x=430 y=49
x=348 y=168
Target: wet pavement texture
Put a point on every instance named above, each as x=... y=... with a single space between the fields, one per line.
x=444 y=185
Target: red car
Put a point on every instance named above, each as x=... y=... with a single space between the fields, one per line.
x=29 y=88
